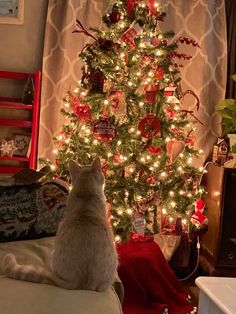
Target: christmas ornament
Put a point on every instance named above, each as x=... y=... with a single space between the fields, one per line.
x=169 y=91
x=81 y=110
x=198 y=219
x=104 y=130
x=173 y=149
x=159 y=74
x=149 y=126
x=151 y=180
x=151 y=91
x=154 y=150
x=96 y=81
x=138 y=222
x=117 y=101
x=7 y=148
x=170 y=113
x=129 y=35
x=114 y=15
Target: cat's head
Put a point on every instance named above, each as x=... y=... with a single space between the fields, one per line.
x=87 y=178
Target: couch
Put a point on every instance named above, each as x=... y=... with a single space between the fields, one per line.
x=21 y=297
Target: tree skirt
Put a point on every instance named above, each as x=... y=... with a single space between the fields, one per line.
x=151 y=286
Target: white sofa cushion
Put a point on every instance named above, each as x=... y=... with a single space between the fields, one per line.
x=20 y=297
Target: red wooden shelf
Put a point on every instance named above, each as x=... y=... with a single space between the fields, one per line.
x=16 y=106
x=16 y=103
x=14 y=158
x=16 y=123
x=10 y=169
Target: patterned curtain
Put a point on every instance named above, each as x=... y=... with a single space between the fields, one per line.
x=205 y=74
x=61 y=65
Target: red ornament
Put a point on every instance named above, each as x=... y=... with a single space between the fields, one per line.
x=104 y=130
x=159 y=74
x=83 y=112
x=151 y=91
x=155 y=41
x=149 y=126
x=200 y=205
x=151 y=180
x=154 y=150
x=170 y=113
x=117 y=159
x=169 y=91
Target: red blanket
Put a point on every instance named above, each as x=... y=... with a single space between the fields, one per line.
x=151 y=286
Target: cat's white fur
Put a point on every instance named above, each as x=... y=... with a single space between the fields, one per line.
x=84 y=256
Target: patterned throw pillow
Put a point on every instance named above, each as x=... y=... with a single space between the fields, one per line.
x=31 y=211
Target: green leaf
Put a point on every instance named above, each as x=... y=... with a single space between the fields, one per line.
x=225 y=103
x=225 y=113
x=233 y=77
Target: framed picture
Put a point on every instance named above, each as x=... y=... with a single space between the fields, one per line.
x=11 y=11
x=22 y=143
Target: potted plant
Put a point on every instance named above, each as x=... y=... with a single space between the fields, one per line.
x=226 y=108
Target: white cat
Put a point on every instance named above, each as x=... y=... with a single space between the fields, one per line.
x=84 y=256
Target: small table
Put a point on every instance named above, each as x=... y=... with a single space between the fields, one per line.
x=217 y=295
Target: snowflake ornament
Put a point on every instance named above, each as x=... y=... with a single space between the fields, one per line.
x=7 y=148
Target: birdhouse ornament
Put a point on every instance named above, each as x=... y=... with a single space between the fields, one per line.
x=151 y=91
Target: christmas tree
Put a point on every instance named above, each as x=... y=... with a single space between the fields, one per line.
x=127 y=110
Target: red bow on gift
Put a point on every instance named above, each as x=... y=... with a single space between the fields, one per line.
x=130 y=4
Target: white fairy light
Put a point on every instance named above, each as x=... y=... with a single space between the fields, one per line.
x=138 y=73
x=201 y=151
x=120 y=212
x=53 y=167
x=83 y=93
x=180 y=168
x=119 y=143
x=173 y=204
x=201 y=169
x=130 y=83
x=76 y=90
x=95 y=142
x=129 y=211
x=67 y=141
x=164 y=211
x=141 y=103
x=66 y=104
x=171 y=193
x=132 y=129
x=106 y=102
x=109 y=154
x=184 y=221
x=189 y=160
x=167 y=139
x=55 y=151
x=117 y=238
x=60 y=137
x=163 y=174
x=117 y=68
x=181 y=192
x=189 y=194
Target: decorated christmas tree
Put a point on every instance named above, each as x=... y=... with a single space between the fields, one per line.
x=127 y=110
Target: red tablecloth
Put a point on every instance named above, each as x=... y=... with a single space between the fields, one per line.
x=151 y=286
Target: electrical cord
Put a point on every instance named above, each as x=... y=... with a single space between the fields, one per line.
x=197 y=263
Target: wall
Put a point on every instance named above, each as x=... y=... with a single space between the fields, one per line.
x=21 y=46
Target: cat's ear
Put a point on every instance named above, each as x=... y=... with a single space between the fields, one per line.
x=73 y=168
x=96 y=165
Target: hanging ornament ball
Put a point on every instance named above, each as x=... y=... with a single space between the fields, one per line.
x=149 y=126
x=104 y=130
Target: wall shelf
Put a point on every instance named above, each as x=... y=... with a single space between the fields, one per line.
x=31 y=124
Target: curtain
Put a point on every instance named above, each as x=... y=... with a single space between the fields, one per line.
x=205 y=74
x=61 y=65
x=230 y=6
